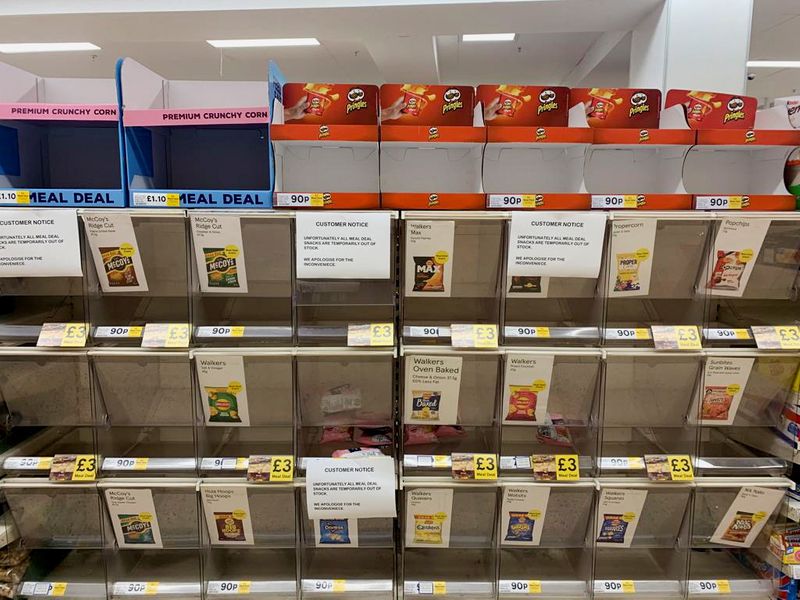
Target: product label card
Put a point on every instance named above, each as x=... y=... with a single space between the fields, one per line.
x=228 y=517
x=724 y=382
x=556 y=244
x=223 y=389
x=619 y=107
x=524 y=105
x=734 y=255
x=39 y=243
x=522 y=515
x=746 y=516
x=342 y=245
x=714 y=110
x=419 y=104
x=631 y=257
x=429 y=513
x=526 y=388
x=330 y=103
x=219 y=253
x=336 y=533
x=354 y=487
x=115 y=252
x=133 y=516
x=429 y=258
x=618 y=514
x=432 y=387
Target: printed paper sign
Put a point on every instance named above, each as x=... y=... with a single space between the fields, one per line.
x=526 y=388
x=522 y=286
x=523 y=514
x=724 y=382
x=618 y=514
x=223 y=389
x=219 y=253
x=228 y=516
x=631 y=257
x=133 y=516
x=556 y=244
x=432 y=386
x=355 y=487
x=342 y=245
x=39 y=243
x=429 y=513
x=115 y=252
x=734 y=255
x=429 y=258
x=746 y=516
x=336 y=533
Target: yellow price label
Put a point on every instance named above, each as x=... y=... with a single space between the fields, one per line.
x=237 y=331
x=241 y=463
x=528 y=200
x=23 y=197
x=788 y=337
x=485 y=466
x=339 y=585
x=439 y=588
x=629 y=201
x=281 y=469
x=534 y=586
x=177 y=335
x=140 y=463
x=441 y=460
x=45 y=462
x=735 y=202
x=381 y=334
x=58 y=588
x=173 y=200
x=244 y=587
x=741 y=334
x=85 y=468
x=316 y=199
x=676 y=337
x=542 y=332
x=135 y=331
x=473 y=335
x=63 y=335
x=151 y=588
x=724 y=586
x=74 y=335
x=567 y=467
x=680 y=467
x=688 y=337
x=628 y=587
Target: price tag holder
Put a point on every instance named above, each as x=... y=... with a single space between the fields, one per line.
x=520 y=586
x=128 y=464
x=669 y=467
x=721 y=334
x=623 y=463
x=710 y=586
x=627 y=333
x=136 y=588
x=614 y=586
x=270 y=469
x=28 y=463
x=473 y=336
x=532 y=332
x=73 y=467
x=222 y=331
x=328 y=585
x=721 y=202
x=514 y=200
x=781 y=337
x=166 y=335
x=370 y=334
x=298 y=200
x=170 y=200
x=478 y=467
x=62 y=335
x=18 y=196
x=615 y=201
x=124 y=331
x=676 y=337
x=428 y=332
x=229 y=587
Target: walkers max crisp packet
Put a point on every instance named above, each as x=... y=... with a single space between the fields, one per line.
x=619 y=107
x=330 y=103
x=421 y=104
x=523 y=105
x=428 y=274
x=714 y=110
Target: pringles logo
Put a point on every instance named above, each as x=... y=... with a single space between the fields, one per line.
x=735 y=110
x=327 y=199
x=433 y=200
x=541 y=134
x=750 y=137
x=639 y=104
x=644 y=135
x=433 y=133
x=547 y=102
x=452 y=101
x=640 y=201
x=324 y=131
x=356 y=100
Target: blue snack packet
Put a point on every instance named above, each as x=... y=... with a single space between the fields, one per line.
x=520 y=527
x=334 y=531
x=612 y=531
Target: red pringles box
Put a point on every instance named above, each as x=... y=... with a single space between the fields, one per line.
x=330 y=103
x=524 y=105
x=418 y=104
x=619 y=108
x=714 y=110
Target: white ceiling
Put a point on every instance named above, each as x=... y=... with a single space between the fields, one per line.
x=368 y=40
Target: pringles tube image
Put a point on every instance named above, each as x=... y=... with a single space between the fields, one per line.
x=319 y=97
x=511 y=99
x=699 y=105
x=603 y=102
x=415 y=98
